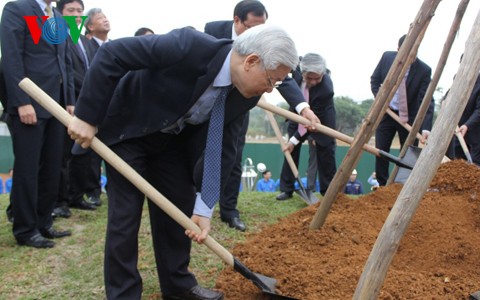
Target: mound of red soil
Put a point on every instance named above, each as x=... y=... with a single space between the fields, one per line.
x=438 y=258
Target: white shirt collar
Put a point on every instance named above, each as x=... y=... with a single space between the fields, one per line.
x=43 y=5
x=224 y=78
x=99 y=41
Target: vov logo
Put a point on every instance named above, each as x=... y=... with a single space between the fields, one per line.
x=54 y=30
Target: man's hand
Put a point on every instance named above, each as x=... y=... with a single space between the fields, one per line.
x=425 y=134
x=289 y=147
x=463 y=130
x=27 y=114
x=70 y=109
x=204 y=224
x=81 y=132
x=308 y=114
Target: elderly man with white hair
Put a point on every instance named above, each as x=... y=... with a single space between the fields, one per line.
x=314 y=80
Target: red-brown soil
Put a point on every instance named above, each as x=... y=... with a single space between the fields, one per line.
x=438 y=258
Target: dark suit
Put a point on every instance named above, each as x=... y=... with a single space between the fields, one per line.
x=229 y=197
x=37 y=148
x=173 y=71
x=84 y=167
x=471 y=118
x=80 y=65
x=74 y=171
x=321 y=102
x=418 y=79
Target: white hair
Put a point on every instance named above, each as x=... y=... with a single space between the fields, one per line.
x=271 y=43
x=314 y=63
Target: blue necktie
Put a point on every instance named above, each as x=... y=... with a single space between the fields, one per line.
x=213 y=151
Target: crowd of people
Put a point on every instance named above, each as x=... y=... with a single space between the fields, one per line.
x=189 y=145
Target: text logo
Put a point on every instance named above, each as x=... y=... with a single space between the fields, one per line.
x=54 y=30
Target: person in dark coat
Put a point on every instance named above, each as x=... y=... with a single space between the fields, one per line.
x=313 y=79
x=417 y=79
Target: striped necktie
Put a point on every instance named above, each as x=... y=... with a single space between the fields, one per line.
x=213 y=151
x=49 y=11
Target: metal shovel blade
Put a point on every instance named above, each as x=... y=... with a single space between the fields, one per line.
x=309 y=198
x=264 y=283
x=474 y=296
x=410 y=157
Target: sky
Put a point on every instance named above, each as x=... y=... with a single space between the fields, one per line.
x=350 y=34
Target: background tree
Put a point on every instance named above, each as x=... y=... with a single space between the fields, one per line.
x=349 y=115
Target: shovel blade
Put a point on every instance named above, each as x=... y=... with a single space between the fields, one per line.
x=264 y=283
x=306 y=196
x=410 y=157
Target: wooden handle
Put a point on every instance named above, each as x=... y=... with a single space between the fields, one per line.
x=405 y=125
x=288 y=155
x=123 y=168
x=463 y=144
x=321 y=128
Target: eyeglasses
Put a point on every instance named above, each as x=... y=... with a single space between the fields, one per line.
x=274 y=85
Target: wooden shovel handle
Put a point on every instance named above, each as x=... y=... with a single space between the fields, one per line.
x=320 y=128
x=288 y=155
x=463 y=144
x=123 y=168
x=405 y=125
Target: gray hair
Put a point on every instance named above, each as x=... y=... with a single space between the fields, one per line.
x=90 y=14
x=314 y=63
x=271 y=43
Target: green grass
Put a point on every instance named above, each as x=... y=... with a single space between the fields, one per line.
x=74 y=267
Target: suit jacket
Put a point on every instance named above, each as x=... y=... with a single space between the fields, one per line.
x=471 y=115
x=418 y=79
x=321 y=103
x=219 y=29
x=79 y=65
x=49 y=66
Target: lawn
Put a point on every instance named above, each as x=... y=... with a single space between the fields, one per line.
x=74 y=267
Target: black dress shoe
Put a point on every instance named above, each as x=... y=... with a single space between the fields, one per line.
x=235 y=223
x=62 y=212
x=51 y=233
x=196 y=293
x=284 y=196
x=95 y=200
x=82 y=204
x=36 y=241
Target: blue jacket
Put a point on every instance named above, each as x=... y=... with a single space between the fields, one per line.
x=354 y=188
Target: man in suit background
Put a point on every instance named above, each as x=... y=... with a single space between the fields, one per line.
x=155 y=118
x=37 y=137
x=85 y=166
x=98 y=27
x=73 y=178
x=247 y=14
x=313 y=79
x=417 y=79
